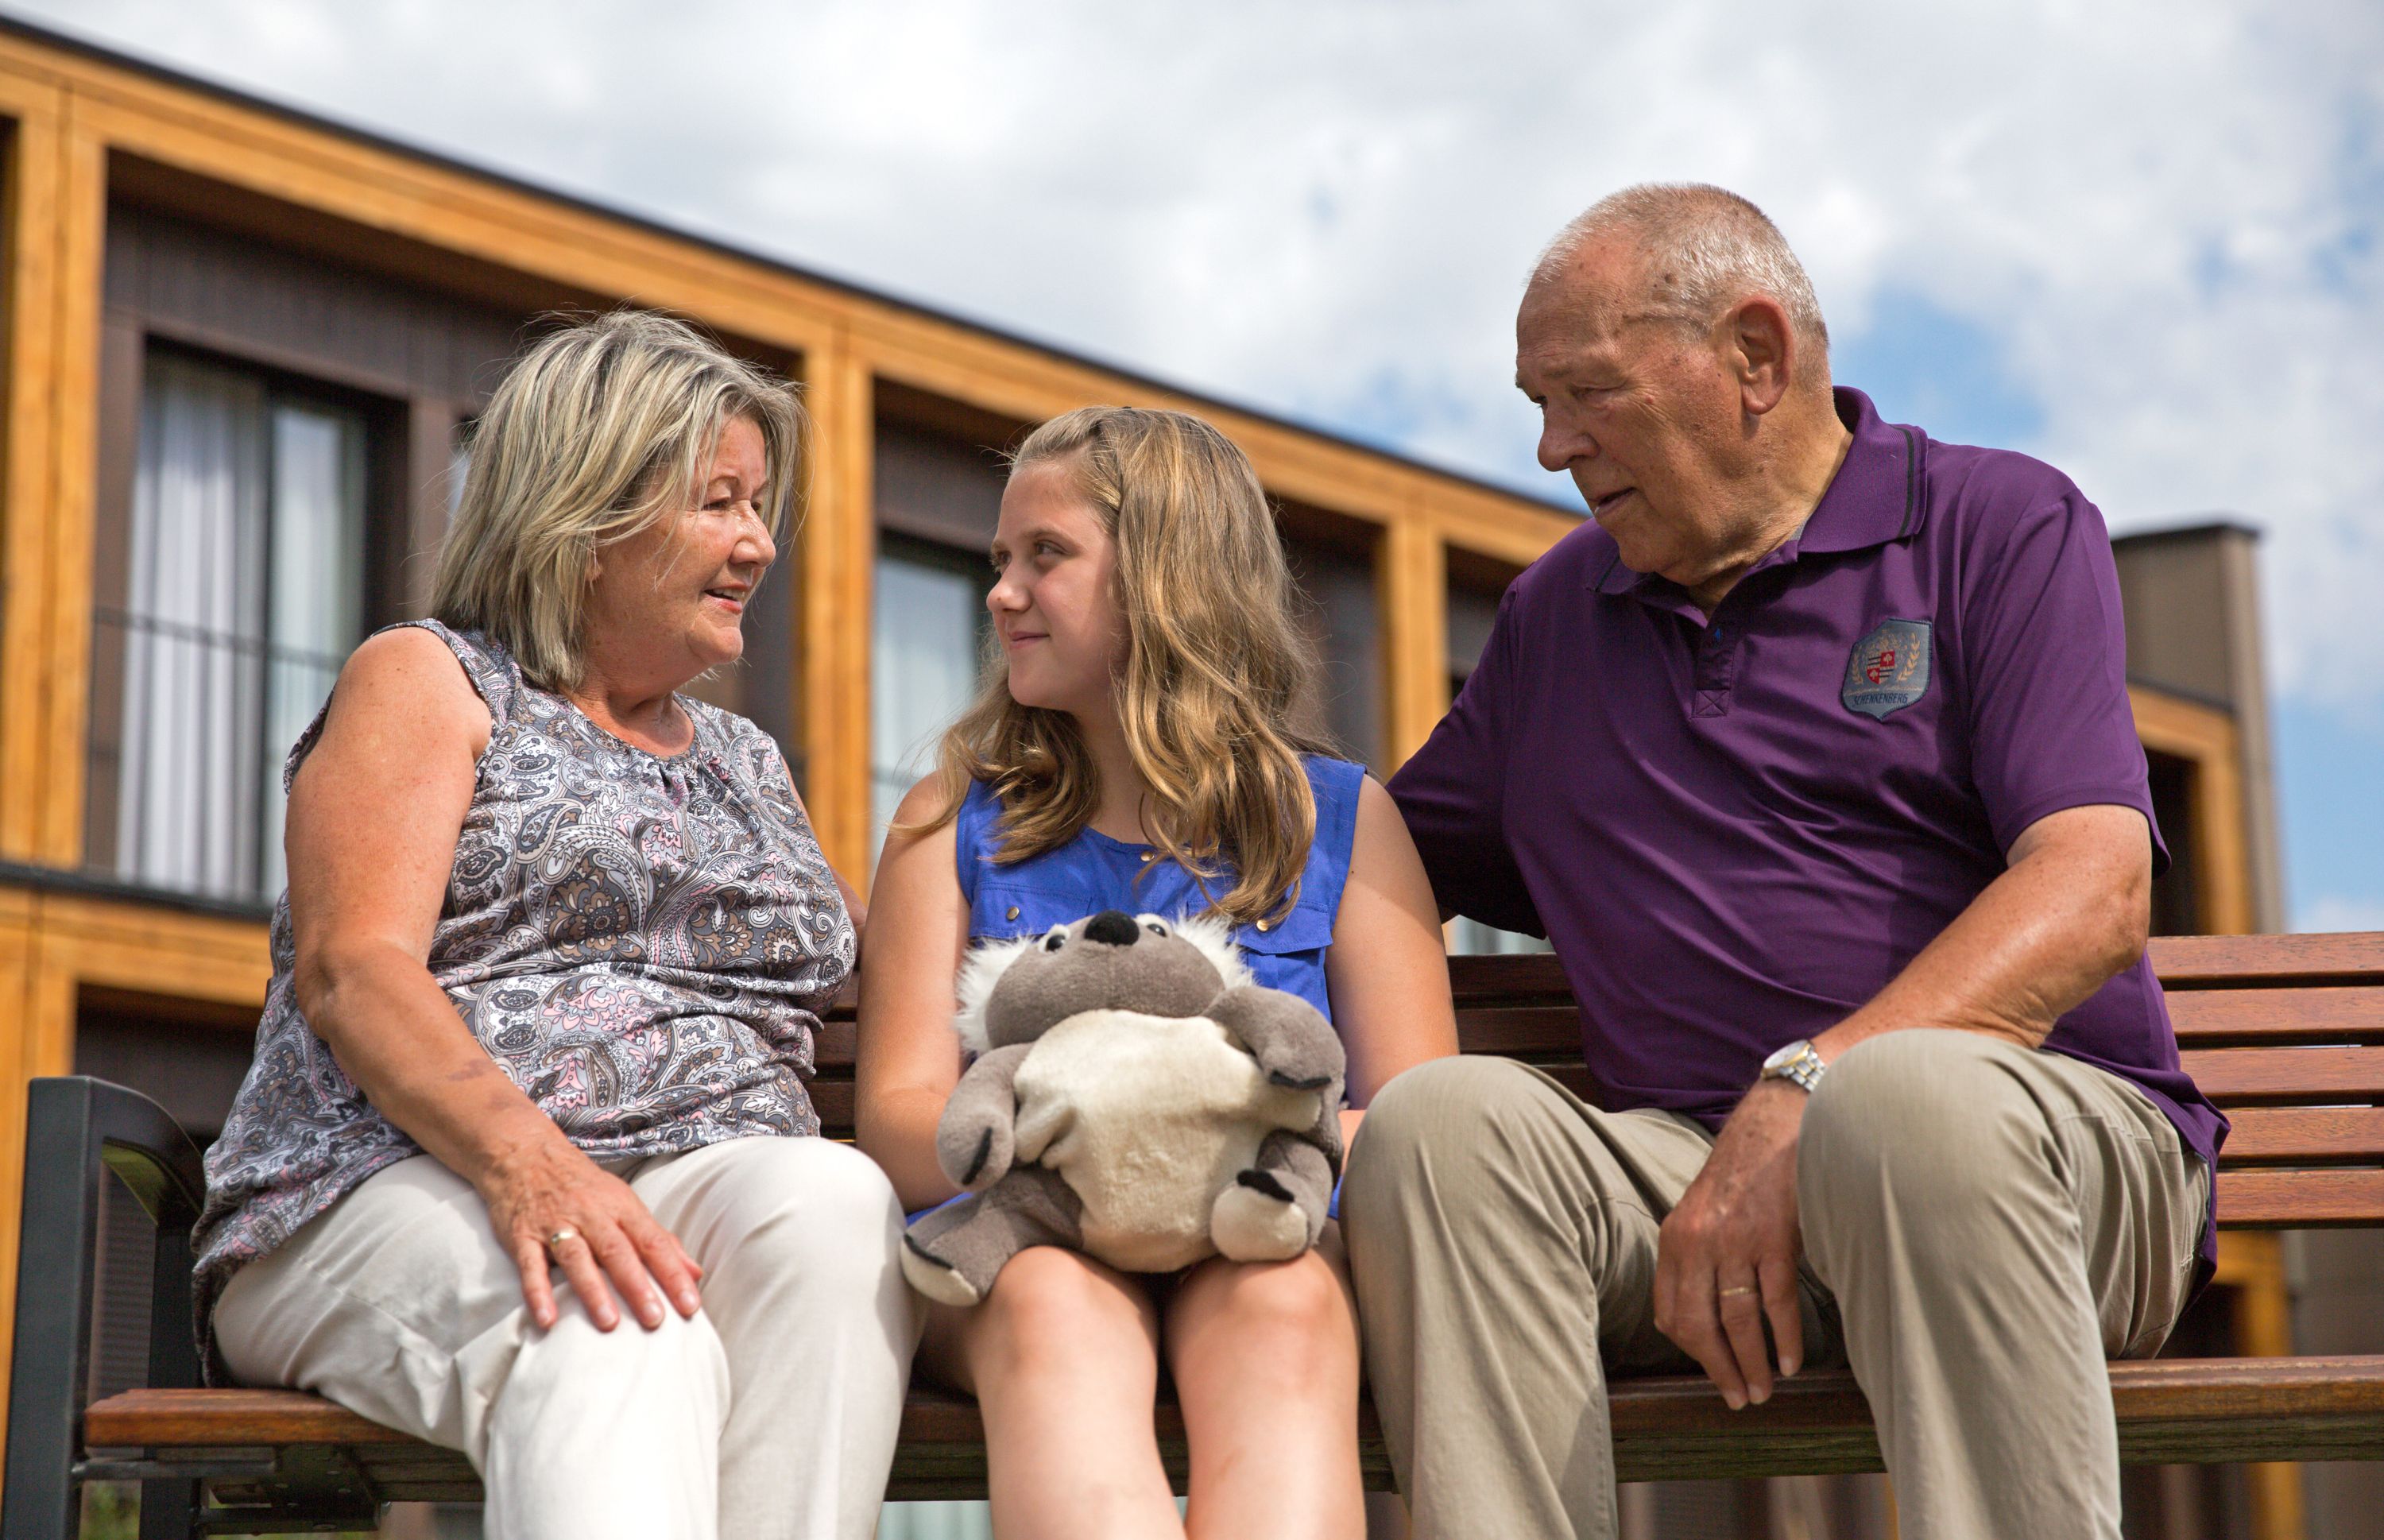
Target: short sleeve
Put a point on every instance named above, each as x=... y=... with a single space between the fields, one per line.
x=2046 y=665
x=974 y=833
x=1335 y=784
x=1452 y=792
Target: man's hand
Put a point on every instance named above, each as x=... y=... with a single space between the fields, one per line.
x=1726 y=1258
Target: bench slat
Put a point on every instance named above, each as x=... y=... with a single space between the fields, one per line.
x=1531 y=977
x=1673 y=1428
x=195 y=1419
x=2330 y=1074
x=2317 y=1135
x=2335 y=1076
x=2331 y=1014
x=833 y=1100
x=1522 y=1005
x=2180 y=961
x=1521 y=1031
x=2258 y=1199
x=2204 y=960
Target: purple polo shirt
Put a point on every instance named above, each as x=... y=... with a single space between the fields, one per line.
x=1736 y=833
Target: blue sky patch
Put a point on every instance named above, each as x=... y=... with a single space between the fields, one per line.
x=1945 y=373
x=2329 y=775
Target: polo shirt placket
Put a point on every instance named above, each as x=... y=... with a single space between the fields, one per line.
x=1716 y=660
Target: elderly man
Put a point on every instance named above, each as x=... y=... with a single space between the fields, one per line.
x=1812 y=757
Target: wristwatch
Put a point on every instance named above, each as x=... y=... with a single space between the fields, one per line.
x=1798 y=1064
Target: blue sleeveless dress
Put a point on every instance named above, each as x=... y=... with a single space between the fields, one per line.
x=1092 y=872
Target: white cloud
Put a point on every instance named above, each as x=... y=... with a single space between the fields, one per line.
x=2168 y=215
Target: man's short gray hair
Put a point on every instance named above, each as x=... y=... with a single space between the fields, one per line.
x=1706 y=249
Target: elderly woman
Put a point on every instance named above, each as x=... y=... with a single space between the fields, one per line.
x=543 y=995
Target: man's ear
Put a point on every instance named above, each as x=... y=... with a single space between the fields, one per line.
x=1761 y=345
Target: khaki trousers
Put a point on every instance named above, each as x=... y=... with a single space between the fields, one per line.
x=1988 y=1224
x=772 y=1413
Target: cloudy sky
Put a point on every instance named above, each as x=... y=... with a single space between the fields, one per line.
x=2142 y=240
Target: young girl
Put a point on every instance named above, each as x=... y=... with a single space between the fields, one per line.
x=1132 y=750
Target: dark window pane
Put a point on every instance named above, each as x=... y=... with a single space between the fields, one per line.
x=936 y=492
x=2177 y=897
x=241 y=590
x=928 y=644
x=1474 y=588
x=191 y=1066
x=1337 y=608
x=933 y=486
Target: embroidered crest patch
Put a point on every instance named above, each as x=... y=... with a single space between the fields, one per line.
x=1888 y=669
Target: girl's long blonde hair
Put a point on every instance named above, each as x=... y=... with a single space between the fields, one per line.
x=1213 y=659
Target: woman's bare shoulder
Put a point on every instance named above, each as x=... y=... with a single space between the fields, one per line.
x=406 y=679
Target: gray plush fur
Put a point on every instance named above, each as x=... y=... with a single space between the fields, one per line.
x=1135 y=1097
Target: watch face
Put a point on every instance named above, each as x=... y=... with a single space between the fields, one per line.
x=1781 y=1058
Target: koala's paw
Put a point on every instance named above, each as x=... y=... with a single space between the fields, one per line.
x=1256 y=1221
x=973 y=1153
x=937 y=1279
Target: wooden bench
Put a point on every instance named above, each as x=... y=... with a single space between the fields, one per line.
x=2287 y=1032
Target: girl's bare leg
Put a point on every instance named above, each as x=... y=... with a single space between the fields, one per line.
x=1265 y=1358
x=1063 y=1354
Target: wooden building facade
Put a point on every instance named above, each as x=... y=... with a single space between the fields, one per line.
x=240 y=348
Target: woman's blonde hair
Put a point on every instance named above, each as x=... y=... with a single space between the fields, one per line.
x=1213 y=659
x=601 y=429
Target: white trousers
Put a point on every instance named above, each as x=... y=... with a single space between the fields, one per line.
x=772 y=1413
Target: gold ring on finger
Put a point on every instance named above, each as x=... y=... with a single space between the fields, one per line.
x=556 y=1239
x=1743 y=1288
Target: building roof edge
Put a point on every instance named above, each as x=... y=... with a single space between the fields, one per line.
x=102 y=54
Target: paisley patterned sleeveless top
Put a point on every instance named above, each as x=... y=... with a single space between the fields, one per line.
x=642 y=943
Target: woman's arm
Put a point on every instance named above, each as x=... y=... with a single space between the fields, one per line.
x=908 y=1060
x=373 y=816
x=1386 y=971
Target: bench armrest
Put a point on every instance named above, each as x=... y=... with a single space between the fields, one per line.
x=76 y=1130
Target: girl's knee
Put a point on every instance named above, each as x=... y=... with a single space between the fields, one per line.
x=1049 y=1309
x=1289 y=1313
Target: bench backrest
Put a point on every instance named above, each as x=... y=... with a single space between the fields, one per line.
x=2284 y=1032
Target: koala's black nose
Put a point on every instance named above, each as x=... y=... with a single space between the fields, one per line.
x=1113 y=928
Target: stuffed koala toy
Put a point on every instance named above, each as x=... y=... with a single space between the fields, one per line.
x=1135 y=1097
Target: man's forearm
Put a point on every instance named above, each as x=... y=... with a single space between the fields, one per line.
x=2071 y=910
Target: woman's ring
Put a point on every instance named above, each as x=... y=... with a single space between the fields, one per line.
x=566 y=1233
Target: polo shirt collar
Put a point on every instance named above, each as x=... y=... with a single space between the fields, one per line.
x=1875 y=497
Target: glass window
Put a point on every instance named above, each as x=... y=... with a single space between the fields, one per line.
x=928 y=639
x=1336 y=606
x=1473 y=594
x=242 y=594
x=2177 y=897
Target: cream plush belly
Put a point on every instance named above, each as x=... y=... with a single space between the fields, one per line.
x=1148 y=1118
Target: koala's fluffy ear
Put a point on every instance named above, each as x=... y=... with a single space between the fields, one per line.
x=1214 y=938
x=980 y=971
